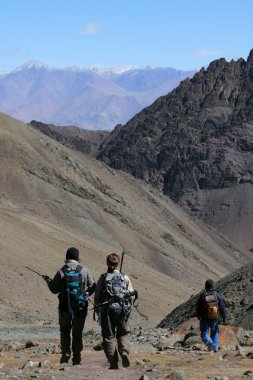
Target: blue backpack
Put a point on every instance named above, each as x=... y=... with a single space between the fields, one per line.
x=73 y=297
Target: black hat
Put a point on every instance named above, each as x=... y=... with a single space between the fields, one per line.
x=72 y=254
x=209 y=284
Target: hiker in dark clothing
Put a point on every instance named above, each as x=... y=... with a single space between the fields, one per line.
x=114 y=316
x=210 y=306
x=72 y=314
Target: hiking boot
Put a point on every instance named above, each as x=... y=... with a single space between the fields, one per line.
x=125 y=360
x=65 y=358
x=98 y=347
x=114 y=365
x=209 y=346
x=76 y=360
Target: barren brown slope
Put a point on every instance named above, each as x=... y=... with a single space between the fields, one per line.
x=52 y=197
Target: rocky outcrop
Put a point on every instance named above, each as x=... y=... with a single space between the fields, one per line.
x=236 y=290
x=197 y=139
x=85 y=141
x=183 y=140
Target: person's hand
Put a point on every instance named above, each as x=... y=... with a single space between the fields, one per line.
x=45 y=277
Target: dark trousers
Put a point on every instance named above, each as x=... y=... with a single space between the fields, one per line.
x=115 y=333
x=76 y=325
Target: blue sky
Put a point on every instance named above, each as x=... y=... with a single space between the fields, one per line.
x=185 y=34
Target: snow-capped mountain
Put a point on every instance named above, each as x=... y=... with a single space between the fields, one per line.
x=91 y=98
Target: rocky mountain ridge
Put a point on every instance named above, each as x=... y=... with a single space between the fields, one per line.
x=195 y=145
x=82 y=140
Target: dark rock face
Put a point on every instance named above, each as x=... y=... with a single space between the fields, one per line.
x=85 y=141
x=236 y=289
x=196 y=139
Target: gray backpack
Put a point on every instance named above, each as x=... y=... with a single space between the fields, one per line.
x=115 y=290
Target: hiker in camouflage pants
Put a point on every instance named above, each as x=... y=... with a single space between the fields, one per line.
x=114 y=320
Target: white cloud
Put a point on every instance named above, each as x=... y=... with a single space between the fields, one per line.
x=90 y=28
x=206 y=53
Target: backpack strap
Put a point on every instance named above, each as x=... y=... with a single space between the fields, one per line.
x=64 y=269
x=209 y=292
x=79 y=268
x=106 y=273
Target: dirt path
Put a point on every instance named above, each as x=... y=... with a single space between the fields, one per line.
x=41 y=361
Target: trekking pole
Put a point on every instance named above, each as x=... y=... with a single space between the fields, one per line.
x=134 y=293
x=100 y=304
x=121 y=262
x=136 y=304
x=34 y=271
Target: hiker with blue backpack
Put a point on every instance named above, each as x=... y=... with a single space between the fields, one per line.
x=113 y=305
x=210 y=308
x=74 y=284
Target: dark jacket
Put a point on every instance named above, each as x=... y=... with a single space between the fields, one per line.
x=200 y=308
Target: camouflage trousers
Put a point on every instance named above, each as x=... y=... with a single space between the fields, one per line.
x=115 y=333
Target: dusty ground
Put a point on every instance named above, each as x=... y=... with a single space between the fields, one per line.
x=42 y=362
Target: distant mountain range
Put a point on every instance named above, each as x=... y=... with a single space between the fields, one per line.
x=90 y=98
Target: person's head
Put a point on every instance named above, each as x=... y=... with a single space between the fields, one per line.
x=72 y=254
x=112 y=261
x=209 y=284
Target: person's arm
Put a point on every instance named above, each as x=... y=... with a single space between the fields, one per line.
x=91 y=284
x=199 y=307
x=99 y=288
x=54 y=284
x=131 y=289
x=130 y=286
x=222 y=308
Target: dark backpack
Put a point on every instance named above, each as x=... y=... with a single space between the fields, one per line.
x=211 y=305
x=115 y=289
x=73 y=297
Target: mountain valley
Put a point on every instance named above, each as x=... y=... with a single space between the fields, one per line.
x=53 y=197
